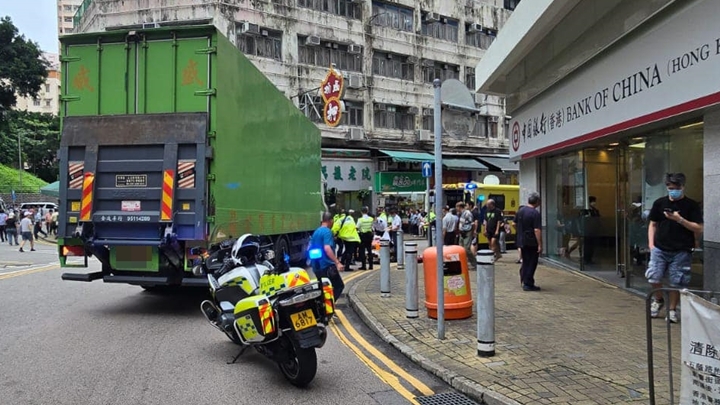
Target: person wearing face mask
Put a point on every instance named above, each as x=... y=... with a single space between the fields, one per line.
x=676 y=223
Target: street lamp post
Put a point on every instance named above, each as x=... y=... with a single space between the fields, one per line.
x=20 y=165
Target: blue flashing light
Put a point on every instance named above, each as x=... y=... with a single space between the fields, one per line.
x=314 y=254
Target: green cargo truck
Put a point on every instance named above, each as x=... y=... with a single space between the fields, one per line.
x=172 y=139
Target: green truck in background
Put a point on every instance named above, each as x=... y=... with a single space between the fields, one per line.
x=172 y=139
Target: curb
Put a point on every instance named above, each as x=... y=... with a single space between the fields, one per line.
x=463 y=384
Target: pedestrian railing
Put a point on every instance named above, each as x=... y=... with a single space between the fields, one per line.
x=709 y=295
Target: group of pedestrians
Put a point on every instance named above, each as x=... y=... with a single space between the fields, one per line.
x=20 y=227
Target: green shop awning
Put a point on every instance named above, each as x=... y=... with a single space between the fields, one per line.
x=501 y=163
x=400 y=156
x=463 y=164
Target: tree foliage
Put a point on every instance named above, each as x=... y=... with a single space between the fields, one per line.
x=22 y=68
x=38 y=138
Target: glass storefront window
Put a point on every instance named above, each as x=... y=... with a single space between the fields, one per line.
x=598 y=200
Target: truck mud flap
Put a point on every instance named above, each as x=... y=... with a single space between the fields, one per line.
x=87 y=277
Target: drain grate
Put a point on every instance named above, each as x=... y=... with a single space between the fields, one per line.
x=446 y=398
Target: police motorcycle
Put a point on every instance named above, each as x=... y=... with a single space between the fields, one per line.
x=275 y=309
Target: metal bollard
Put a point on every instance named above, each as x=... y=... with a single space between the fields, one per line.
x=485 y=303
x=411 y=280
x=399 y=255
x=384 y=268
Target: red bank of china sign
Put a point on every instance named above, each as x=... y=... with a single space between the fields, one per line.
x=332 y=89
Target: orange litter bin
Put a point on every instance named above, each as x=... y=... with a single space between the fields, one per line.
x=456 y=281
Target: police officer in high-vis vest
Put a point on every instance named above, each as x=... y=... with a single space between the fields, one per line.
x=365 y=229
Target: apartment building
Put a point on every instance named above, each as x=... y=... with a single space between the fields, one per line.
x=48 y=99
x=66 y=13
x=389 y=52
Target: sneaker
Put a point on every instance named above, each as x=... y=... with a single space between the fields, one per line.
x=531 y=288
x=672 y=316
x=21 y=250
x=32 y=250
x=655 y=307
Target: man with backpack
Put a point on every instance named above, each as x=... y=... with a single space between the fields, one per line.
x=467 y=230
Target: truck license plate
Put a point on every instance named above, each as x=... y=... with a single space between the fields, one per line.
x=303 y=320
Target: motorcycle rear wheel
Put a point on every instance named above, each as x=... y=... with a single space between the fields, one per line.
x=300 y=369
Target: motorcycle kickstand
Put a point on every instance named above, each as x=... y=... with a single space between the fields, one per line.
x=235 y=359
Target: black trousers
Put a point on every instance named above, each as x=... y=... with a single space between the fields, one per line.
x=336 y=280
x=450 y=239
x=529 y=264
x=340 y=245
x=366 y=249
x=349 y=254
x=2 y=233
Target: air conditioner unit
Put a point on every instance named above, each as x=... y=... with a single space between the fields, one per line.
x=432 y=17
x=354 y=48
x=428 y=112
x=354 y=81
x=264 y=33
x=492 y=118
x=356 y=134
x=248 y=28
x=150 y=25
x=413 y=110
x=389 y=56
x=312 y=40
x=380 y=107
x=474 y=27
x=383 y=166
x=412 y=59
x=490 y=31
x=423 y=135
x=479 y=97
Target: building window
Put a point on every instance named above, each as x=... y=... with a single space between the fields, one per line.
x=428 y=119
x=68 y=19
x=345 y=57
x=36 y=102
x=436 y=26
x=480 y=130
x=437 y=70
x=343 y=8
x=353 y=115
x=392 y=16
x=48 y=102
x=492 y=127
x=394 y=117
x=264 y=43
x=470 y=77
x=67 y=7
x=481 y=38
x=511 y=4
x=393 y=65
x=47 y=88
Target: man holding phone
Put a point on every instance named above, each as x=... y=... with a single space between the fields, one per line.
x=675 y=226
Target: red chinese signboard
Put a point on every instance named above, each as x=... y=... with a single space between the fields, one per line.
x=333 y=86
x=332 y=112
x=332 y=90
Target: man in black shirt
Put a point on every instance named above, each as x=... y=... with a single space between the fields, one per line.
x=529 y=238
x=675 y=226
x=493 y=222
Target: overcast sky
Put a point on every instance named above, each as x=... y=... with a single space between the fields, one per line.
x=36 y=19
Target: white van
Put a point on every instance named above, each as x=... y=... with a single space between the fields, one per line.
x=43 y=207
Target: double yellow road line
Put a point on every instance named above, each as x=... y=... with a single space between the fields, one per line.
x=392 y=374
x=23 y=272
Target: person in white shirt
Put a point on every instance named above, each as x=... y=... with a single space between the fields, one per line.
x=449 y=224
x=26 y=230
x=381 y=226
x=395 y=227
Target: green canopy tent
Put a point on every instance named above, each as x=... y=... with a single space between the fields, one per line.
x=52 y=190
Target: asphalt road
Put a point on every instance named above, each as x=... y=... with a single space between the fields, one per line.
x=94 y=343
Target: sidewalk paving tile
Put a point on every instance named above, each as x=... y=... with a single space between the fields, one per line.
x=578 y=341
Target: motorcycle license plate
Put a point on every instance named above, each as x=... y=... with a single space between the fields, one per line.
x=303 y=320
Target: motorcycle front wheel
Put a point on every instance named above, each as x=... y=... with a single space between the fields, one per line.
x=301 y=367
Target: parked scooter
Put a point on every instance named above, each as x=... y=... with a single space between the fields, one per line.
x=276 y=309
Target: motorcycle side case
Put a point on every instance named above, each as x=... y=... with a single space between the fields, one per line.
x=242 y=280
x=271 y=284
x=255 y=320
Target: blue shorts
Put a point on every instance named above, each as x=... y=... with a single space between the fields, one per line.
x=675 y=265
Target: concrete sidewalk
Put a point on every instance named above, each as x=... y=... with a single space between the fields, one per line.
x=578 y=341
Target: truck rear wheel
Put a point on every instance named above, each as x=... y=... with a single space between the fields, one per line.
x=281 y=247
